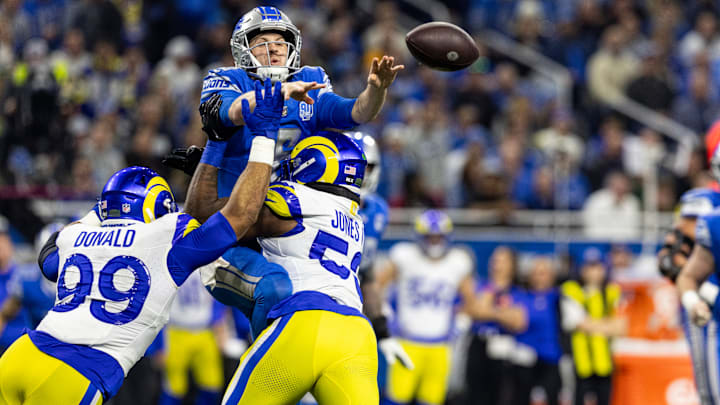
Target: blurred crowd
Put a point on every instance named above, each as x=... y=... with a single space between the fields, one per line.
x=89 y=86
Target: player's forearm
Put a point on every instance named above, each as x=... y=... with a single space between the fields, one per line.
x=368 y=104
x=698 y=267
x=235 y=111
x=248 y=195
x=372 y=305
x=202 y=199
x=513 y=318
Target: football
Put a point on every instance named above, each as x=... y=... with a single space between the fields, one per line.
x=442 y=46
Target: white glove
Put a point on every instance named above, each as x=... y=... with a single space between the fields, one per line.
x=393 y=351
x=698 y=310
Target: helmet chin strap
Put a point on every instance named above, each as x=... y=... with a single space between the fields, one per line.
x=274 y=73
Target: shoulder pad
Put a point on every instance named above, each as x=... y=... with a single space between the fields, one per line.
x=698 y=202
x=223 y=79
x=314 y=74
x=283 y=201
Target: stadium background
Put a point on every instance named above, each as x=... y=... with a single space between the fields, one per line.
x=572 y=104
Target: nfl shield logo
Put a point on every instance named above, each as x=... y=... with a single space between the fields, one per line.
x=125 y=208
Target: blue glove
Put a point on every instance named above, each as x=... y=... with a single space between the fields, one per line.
x=265 y=120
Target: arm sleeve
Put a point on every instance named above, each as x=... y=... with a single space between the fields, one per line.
x=48 y=259
x=335 y=111
x=194 y=247
x=227 y=99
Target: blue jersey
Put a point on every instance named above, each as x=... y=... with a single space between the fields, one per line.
x=374 y=212
x=14 y=328
x=698 y=201
x=543 y=330
x=299 y=118
x=704 y=349
x=36 y=293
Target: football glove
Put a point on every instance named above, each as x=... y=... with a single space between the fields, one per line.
x=265 y=119
x=185 y=159
x=212 y=124
x=393 y=351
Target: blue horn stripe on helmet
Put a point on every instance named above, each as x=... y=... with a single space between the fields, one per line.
x=325 y=157
x=136 y=193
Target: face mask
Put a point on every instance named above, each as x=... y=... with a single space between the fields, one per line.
x=435 y=251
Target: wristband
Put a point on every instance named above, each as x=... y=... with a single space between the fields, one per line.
x=213 y=153
x=380 y=327
x=262 y=150
x=690 y=299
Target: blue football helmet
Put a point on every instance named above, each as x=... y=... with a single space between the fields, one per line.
x=136 y=193
x=434 y=229
x=253 y=23
x=325 y=157
x=372 y=153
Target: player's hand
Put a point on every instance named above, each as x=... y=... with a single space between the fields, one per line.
x=393 y=351
x=265 y=119
x=700 y=313
x=299 y=90
x=383 y=72
x=212 y=124
x=185 y=159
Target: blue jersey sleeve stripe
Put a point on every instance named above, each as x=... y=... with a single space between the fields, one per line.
x=200 y=247
x=334 y=111
x=91 y=395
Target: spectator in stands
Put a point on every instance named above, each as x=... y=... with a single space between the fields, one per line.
x=643 y=154
x=537 y=355
x=491 y=344
x=652 y=87
x=150 y=142
x=559 y=137
x=18 y=22
x=605 y=154
x=102 y=152
x=611 y=67
x=179 y=77
x=588 y=312
x=699 y=108
x=612 y=212
x=99 y=20
x=704 y=37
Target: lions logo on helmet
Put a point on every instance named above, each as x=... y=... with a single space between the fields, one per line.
x=253 y=23
x=433 y=228
x=136 y=193
x=372 y=153
x=326 y=157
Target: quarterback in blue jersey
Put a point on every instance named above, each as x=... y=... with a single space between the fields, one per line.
x=116 y=280
x=673 y=256
x=266 y=44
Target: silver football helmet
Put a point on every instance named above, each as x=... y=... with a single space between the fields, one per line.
x=253 y=23
x=372 y=154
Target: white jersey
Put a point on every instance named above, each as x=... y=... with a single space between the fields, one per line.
x=427 y=290
x=323 y=252
x=114 y=287
x=194 y=307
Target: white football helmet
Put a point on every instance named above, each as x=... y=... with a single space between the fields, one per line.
x=372 y=153
x=253 y=23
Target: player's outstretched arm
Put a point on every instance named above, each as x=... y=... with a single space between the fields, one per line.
x=677 y=247
x=370 y=101
x=699 y=266
x=241 y=209
x=297 y=90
